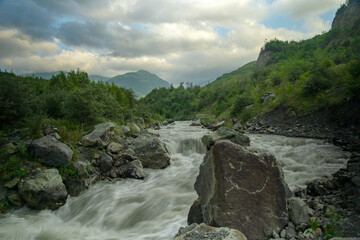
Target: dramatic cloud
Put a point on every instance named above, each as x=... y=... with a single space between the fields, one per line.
x=179 y=40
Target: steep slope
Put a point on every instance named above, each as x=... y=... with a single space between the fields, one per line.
x=141 y=82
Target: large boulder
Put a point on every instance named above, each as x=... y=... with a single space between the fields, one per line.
x=241 y=190
x=225 y=133
x=44 y=189
x=99 y=135
x=53 y=152
x=202 y=231
x=151 y=151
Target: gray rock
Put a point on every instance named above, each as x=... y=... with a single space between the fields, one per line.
x=238 y=126
x=105 y=162
x=202 y=232
x=298 y=211
x=13 y=183
x=151 y=151
x=126 y=130
x=225 y=133
x=53 y=152
x=133 y=169
x=55 y=135
x=47 y=130
x=195 y=214
x=114 y=148
x=15 y=198
x=135 y=128
x=9 y=148
x=100 y=134
x=140 y=122
x=81 y=168
x=44 y=189
x=196 y=123
x=267 y=97
x=217 y=125
x=75 y=186
x=241 y=190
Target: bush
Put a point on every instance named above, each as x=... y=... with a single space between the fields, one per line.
x=240 y=103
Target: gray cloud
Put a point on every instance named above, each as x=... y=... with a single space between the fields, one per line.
x=174 y=39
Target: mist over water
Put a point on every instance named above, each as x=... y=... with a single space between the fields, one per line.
x=157 y=207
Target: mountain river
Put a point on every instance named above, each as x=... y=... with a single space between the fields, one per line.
x=157 y=207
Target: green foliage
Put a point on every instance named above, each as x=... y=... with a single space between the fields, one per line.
x=12 y=166
x=67 y=170
x=330 y=225
x=240 y=103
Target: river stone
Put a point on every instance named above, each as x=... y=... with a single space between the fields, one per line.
x=151 y=151
x=44 y=189
x=126 y=130
x=225 y=133
x=53 y=152
x=140 y=122
x=13 y=183
x=114 y=148
x=100 y=134
x=75 y=186
x=133 y=169
x=81 y=168
x=202 y=231
x=298 y=211
x=241 y=190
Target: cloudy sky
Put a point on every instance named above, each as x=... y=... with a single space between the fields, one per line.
x=179 y=40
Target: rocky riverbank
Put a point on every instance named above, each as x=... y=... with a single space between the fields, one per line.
x=60 y=169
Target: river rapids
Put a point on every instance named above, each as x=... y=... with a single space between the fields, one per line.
x=157 y=207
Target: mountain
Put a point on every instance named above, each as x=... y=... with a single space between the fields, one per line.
x=141 y=82
x=97 y=78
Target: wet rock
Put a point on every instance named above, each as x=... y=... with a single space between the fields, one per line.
x=298 y=211
x=316 y=188
x=14 y=198
x=53 y=152
x=225 y=133
x=150 y=151
x=99 y=135
x=75 y=186
x=133 y=169
x=202 y=232
x=241 y=190
x=217 y=125
x=44 y=189
x=195 y=214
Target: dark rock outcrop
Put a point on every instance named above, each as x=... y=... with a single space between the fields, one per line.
x=202 y=231
x=44 y=189
x=151 y=151
x=53 y=152
x=241 y=190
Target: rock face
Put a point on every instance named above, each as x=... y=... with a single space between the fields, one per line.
x=150 y=151
x=99 y=135
x=202 y=231
x=44 y=189
x=241 y=190
x=53 y=152
x=348 y=16
x=225 y=133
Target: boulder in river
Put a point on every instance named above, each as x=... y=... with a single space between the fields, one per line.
x=99 y=135
x=202 y=232
x=53 y=152
x=44 y=189
x=225 y=133
x=241 y=190
x=151 y=151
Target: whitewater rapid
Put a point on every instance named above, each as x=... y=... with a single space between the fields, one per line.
x=157 y=207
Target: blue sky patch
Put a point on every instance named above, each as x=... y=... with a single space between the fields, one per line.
x=284 y=21
x=221 y=31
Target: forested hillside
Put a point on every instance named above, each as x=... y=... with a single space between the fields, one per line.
x=301 y=76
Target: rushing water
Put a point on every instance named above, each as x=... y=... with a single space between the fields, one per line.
x=156 y=207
